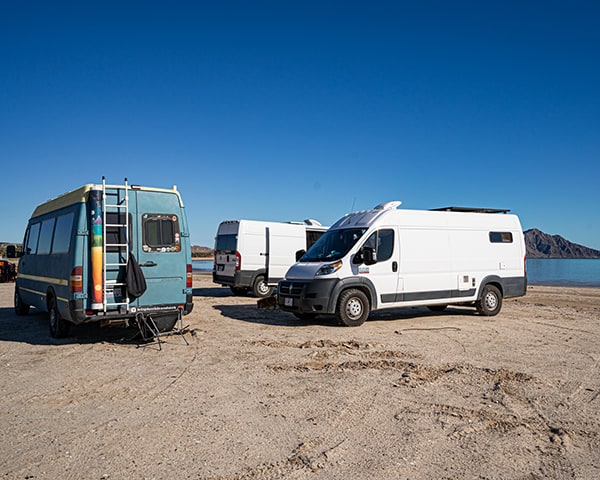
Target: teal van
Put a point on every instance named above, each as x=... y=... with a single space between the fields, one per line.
x=82 y=249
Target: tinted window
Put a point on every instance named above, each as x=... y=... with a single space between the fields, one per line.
x=226 y=244
x=312 y=237
x=62 y=233
x=501 y=237
x=382 y=242
x=160 y=233
x=46 y=236
x=32 y=239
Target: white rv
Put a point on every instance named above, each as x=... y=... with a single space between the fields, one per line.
x=389 y=257
x=254 y=255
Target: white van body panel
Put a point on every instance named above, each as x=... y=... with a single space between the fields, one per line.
x=437 y=258
x=248 y=249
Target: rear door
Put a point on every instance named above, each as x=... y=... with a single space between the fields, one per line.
x=226 y=251
x=159 y=247
x=283 y=241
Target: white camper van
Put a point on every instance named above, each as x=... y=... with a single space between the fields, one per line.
x=254 y=255
x=389 y=257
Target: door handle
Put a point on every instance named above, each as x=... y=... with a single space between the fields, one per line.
x=394 y=266
x=149 y=263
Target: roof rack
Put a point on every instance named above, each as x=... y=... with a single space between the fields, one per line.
x=469 y=209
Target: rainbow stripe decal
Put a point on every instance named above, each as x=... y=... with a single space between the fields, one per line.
x=95 y=209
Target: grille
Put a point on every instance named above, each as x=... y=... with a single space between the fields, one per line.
x=291 y=288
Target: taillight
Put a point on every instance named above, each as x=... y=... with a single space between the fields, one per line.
x=76 y=279
x=525 y=266
x=188 y=276
x=238 y=260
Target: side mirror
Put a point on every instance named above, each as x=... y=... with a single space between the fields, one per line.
x=300 y=254
x=369 y=255
x=11 y=251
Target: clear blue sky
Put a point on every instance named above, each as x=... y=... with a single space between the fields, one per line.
x=289 y=110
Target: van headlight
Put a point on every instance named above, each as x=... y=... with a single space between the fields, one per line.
x=329 y=268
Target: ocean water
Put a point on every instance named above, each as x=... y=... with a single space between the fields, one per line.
x=202 y=265
x=575 y=272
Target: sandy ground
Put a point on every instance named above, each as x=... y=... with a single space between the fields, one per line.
x=408 y=395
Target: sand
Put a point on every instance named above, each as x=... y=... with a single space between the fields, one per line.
x=410 y=394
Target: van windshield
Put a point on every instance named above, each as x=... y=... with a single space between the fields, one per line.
x=333 y=245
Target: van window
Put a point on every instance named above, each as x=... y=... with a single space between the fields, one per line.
x=160 y=233
x=333 y=245
x=32 y=239
x=383 y=243
x=501 y=237
x=46 y=236
x=312 y=237
x=62 y=233
x=226 y=243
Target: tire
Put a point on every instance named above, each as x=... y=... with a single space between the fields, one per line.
x=490 y=302
x=239 y=291
x=59 y=327
x=437 y=308
x=353 y=308
x=21 y=308
x=260 y=288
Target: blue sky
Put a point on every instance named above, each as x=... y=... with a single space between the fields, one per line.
x=294 y=110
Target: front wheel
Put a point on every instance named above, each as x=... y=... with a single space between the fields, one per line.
x=490 y=302
x=59 y=327
x=353 y=308
x=21 y=308
x=261 y=288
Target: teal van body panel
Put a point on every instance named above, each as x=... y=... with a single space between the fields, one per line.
x=56 y=269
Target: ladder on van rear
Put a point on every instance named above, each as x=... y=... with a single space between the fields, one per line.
x=115 y=201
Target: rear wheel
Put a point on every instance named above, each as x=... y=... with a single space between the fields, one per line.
x=353 y=308
x=59 y=327
x=20 y=307
x=261 y=288
x=490 y=302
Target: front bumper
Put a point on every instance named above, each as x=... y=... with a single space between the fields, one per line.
x=314 y=296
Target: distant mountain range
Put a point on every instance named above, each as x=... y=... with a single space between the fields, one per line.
x=543 y=245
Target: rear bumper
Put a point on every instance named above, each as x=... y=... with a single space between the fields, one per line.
x=514 y=286
x=80 y=315
x=240 y=279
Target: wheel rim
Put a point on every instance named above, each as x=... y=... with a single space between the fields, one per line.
x=354 y=308
x=491 y=301
x=263 y=287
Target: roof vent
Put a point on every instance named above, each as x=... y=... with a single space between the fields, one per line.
x=388 y=205
x=310 y=221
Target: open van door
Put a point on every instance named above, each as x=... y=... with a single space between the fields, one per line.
x=283 y=241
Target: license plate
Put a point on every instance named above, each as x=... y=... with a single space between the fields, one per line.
x=288 y=301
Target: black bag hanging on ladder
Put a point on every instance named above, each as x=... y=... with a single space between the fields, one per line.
x=136 y=283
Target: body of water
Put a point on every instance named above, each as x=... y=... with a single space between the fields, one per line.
x=574 y=272
x=202 y=265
